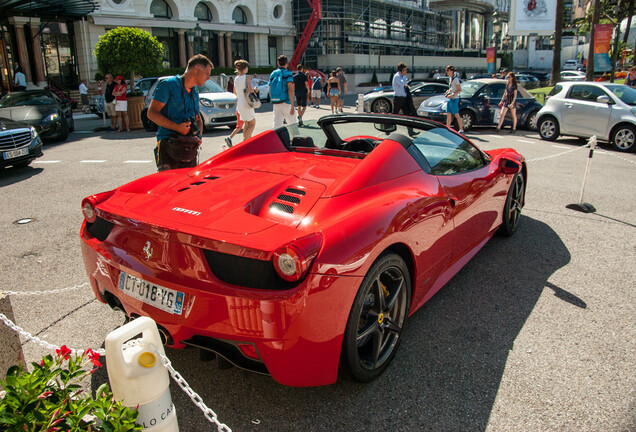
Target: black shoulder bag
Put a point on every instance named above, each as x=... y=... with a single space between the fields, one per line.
x=183 y=148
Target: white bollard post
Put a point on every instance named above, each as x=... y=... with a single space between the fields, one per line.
x=138 y=378
x=360 y=105
x=583 y=206
x=11 y=353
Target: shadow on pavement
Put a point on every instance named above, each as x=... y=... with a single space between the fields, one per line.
x=9 y=176
x=445 y=376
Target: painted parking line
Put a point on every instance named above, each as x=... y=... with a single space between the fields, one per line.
x=92 y=161
x=46 y=161
x=527 y=141
x=495 y=136
x=137 y=161
x=561 y=146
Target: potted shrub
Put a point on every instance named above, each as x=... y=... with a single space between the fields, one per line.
x=128 y=51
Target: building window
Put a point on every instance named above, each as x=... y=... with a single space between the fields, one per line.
x=273 y=49
x=239 y=16
x=160 y=9
x=202 y=12
x=278 y=11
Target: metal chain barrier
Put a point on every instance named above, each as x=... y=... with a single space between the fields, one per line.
x=558 y=154
x=209 y=414
x=53 y=291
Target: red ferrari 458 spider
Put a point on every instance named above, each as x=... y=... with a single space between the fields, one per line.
x=287 y=253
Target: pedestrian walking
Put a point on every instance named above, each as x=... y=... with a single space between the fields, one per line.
x=83 y=90
x=242 y=89
x=238 y=128
x=630 y=79
x=452 y=105
x=175 y=110
x=19 y=80
x=334 y=91
x=230 y=85
x=110 y=101
x=316 y=90
x=121 y=103
x=301 y=90
x=399 y=90
x=281 y=90
x=343 y=88
x=509 y=102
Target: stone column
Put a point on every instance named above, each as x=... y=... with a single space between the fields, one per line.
x=36 y=49
x=182 y=49
x=228 y=49
x=23 y=55
x=221 y=46
x=190 y=48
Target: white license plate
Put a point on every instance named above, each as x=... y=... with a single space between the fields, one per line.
x=160 y=297
x=15 y=153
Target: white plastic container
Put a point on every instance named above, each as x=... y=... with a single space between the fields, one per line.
x=138 y=378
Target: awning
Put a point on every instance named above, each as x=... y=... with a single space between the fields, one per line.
x=47 y=8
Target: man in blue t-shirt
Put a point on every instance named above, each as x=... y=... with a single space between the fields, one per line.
x=284 y=109
x=174 y=103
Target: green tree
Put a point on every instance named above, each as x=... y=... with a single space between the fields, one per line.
x=127 y=51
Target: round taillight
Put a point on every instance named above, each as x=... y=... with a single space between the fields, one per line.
x=89 y=211
x=293 y=260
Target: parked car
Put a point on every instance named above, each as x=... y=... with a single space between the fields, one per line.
x=217 y=106
x=286 y=254
x=143 y=85
x=528 y=81
x=572 y=76
x=51 y=117
x=584 y=109
x=477 y=76
x=382 y=101
x=262 y=89
x=20 y=144
x=479 y=100
x=573 y=65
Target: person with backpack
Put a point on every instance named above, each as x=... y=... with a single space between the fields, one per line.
x=316 y=89
x=281 y=91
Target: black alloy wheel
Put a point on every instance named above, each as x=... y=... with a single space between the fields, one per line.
x=513 y=206
x=376 y=320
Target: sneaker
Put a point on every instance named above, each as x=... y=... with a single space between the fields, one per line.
x=228 y=142
x=512 y=131
x=300 y=121
x=498 y=131
x=461 y=131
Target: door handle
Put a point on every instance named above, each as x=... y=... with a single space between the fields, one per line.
x=569 y=105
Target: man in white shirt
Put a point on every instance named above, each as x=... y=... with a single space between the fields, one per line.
x=19 y=80
x=83 y=90
x=399 y=90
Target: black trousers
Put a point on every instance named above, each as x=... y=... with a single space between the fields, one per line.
x=399 y=103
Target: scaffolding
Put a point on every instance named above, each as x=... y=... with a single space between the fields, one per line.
x=380 y=27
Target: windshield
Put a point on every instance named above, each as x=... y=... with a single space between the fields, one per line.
x=624 y=93
x=210 y=87
x=469 y=88
x=26 y=99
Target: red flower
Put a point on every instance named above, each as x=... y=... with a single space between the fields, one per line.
x=45 y=394
x=63 y=352
x=94 y=357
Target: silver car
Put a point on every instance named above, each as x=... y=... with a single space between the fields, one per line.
x=381 y=101
x=586 y=108
x=217 y=106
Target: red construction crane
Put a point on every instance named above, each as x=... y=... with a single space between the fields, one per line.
x=316 y=14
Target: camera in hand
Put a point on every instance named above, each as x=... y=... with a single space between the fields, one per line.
x=194 y=129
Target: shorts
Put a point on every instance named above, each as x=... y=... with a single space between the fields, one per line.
x=110 y=108
x=84 y=99
x=316 y=94
x=452 y=106
x=301 y=101
x=334 y=92
x=121 y=106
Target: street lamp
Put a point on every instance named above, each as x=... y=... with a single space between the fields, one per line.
x=198 y=38
x=496 y=30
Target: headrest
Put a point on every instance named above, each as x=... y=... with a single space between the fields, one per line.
x=302 y=141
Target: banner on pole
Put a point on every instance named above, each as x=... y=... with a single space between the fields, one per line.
x=490 y=59
x=602 y=39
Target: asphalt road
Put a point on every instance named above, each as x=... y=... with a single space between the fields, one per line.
x=536 y=333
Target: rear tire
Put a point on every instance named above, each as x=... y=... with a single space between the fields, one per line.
x=377 y=317
x=513 y=206
x=381 y=106
x=531 y=121
x=548 y=128
x=149 y=125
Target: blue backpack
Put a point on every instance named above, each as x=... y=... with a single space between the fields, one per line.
x=278 y=85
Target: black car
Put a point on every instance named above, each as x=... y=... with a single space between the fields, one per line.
x=51 y=117
x=19 y=143
x=479 y=105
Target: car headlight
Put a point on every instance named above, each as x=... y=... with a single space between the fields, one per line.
x=206 y=102
x=34 y=133
x=50 y=118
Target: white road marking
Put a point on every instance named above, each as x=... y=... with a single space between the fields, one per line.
x=92 y=161
x=83 y=132
x=561 y=146
x=47 y=161
x=137 y=161
x=526 y=141
x=495 y=136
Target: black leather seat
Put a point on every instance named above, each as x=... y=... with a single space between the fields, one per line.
x=302 y=141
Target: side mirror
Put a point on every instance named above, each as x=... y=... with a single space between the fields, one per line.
x=385 y=127
x=604 y=99
x=509 y=166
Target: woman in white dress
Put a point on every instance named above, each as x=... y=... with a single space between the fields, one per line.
x=246 y=112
